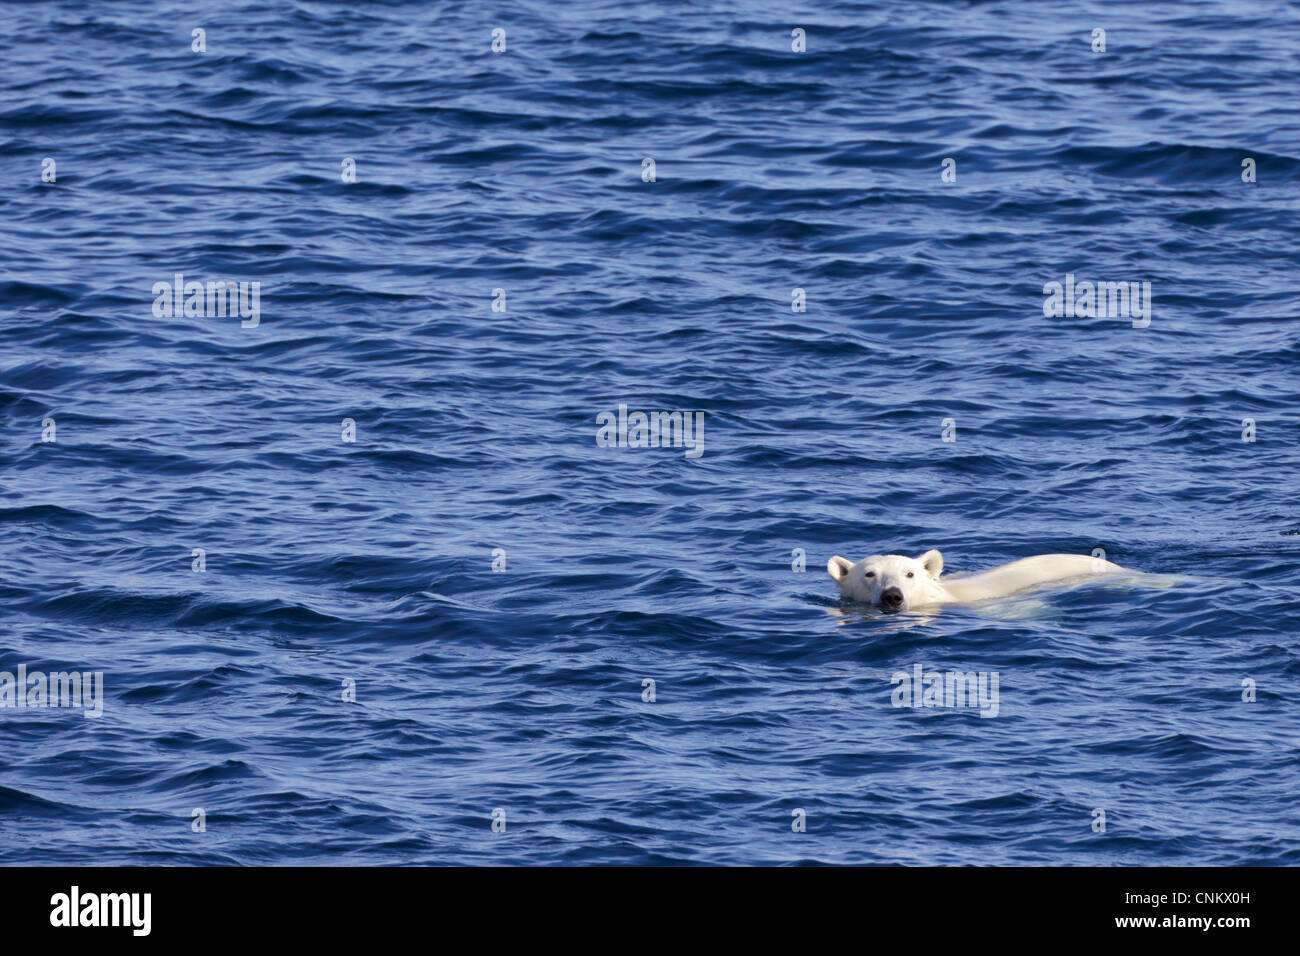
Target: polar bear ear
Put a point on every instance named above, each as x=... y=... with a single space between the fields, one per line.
x=932 y=561
x=839 y=567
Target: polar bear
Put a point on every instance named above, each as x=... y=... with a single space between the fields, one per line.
x=893 y=582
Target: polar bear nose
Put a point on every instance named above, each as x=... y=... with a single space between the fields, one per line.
x=891 y=599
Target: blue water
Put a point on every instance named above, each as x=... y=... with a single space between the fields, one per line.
x=520 y=689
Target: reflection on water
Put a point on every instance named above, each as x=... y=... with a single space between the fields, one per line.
x=898 y=621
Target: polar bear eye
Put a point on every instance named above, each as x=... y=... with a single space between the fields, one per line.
x=868 y=574
x=910 y=574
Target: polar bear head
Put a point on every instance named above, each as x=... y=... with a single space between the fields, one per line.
x=891 y=582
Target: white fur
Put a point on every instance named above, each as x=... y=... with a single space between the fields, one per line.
x=917 y=579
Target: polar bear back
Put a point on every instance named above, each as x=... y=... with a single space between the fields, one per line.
x=1040 y=569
